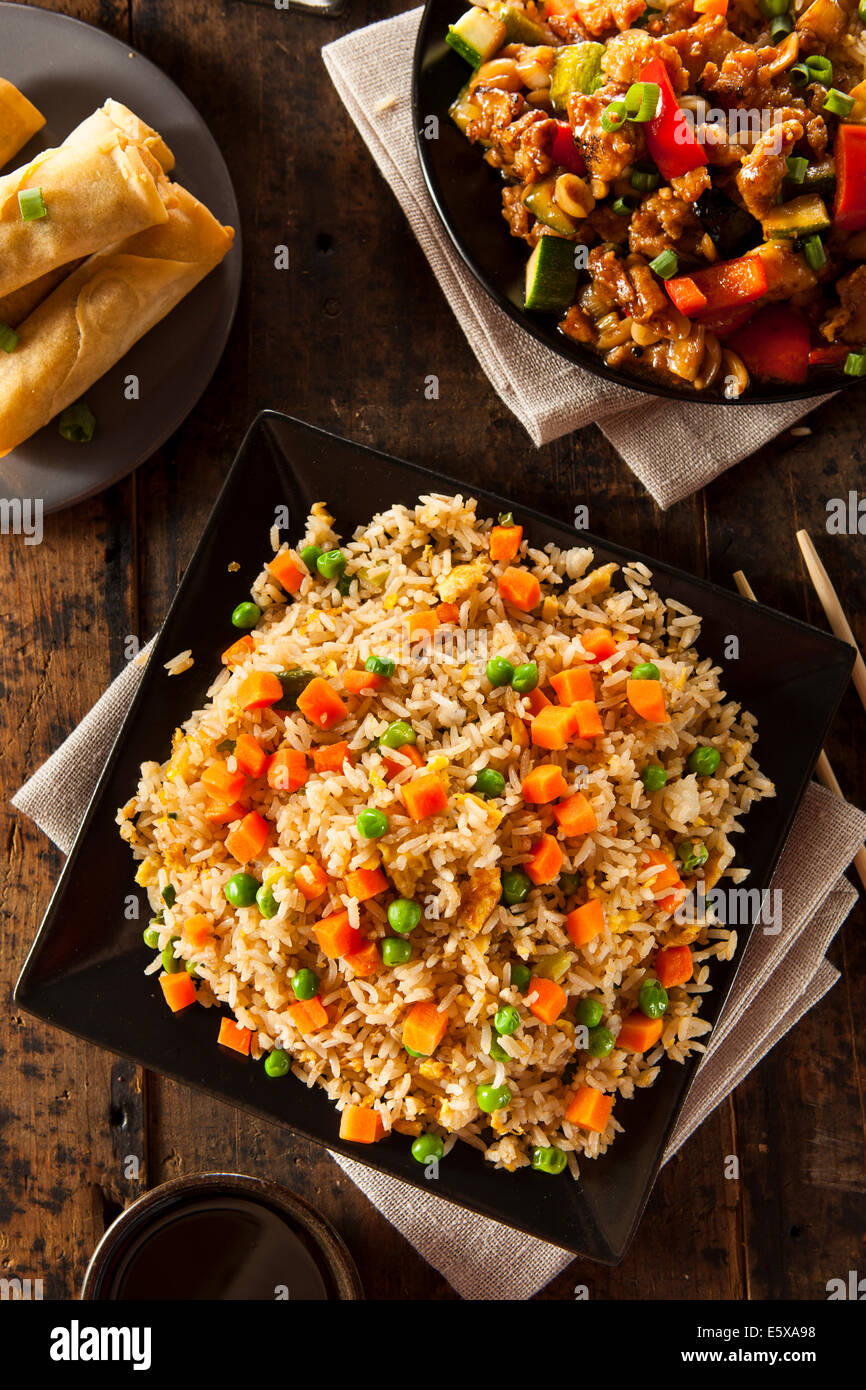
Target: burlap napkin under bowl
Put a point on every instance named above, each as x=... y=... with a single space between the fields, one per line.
x=674 y=449
x=782 y=976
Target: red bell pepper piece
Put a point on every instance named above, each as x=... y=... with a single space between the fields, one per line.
x=722 y=322
x=564 y=151
x=725 y=285
x=670 y=139
x=829 y=355
x=849 y=213
x=775 y=343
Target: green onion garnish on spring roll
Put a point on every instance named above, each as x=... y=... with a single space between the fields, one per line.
x=32 y=204
x=77 y=423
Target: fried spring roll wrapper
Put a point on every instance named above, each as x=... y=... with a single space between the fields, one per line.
x=100 y=310
x=19 y=121
x=19 y=305
x=96 y=194
x=115 y=116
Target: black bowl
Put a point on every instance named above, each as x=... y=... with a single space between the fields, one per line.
x=466 y=194
x=84 y=971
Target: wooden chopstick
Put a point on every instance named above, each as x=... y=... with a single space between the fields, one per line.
x=823 y=769
x=833 y=609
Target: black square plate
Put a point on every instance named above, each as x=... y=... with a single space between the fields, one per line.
x=84 y=971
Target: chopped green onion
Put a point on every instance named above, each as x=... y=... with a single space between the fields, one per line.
x=800 y=75
x=797 y=167
x=614 y=116
x=505 y=519
x=665 y=264
x=9 y=339
x=32 y=204
x=813 y=250
x=781 y=27
x=838 y=103
x=774 y=7
x=644 y=180
x=862 y=11
x=641 y=101
x=77 y=423
x=624 y=207
x=855 y=364
x=821 y=69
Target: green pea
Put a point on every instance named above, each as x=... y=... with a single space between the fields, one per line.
x=653 y=777
x=310 y=555
x=266 y=902
x=489 y=783
x=515 y=886
x=548 y=1160
x=520 y=975
x=589 y=1012
x=646 y=671
x=305 y=984
x=525 y=677
x=404 y=914
x=372 y=823
x=490 y=1098
x=499 y=671
x=241 y=890
x=397 y=734
x=653 y=998
x=150 y=936
x=332 y=563
x=413 y=1053
x=600 y=1042
x=170 y=962
x=246 y=615
x=692 y=854
x=380 y=665
x=395 y=950
x=169 y=896
x=506 y=1020
x=704 y=760
x=427 y=1146
x=497 y=1051
x=294 y=682
x=277 y=1063
x=569 y=883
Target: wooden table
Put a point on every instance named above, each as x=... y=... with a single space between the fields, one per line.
x=324 y=343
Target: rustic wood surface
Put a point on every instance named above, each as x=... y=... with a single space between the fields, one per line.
x=330 y=343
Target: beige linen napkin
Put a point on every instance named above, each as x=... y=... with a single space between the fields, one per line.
x=674 y=449
x=782 y=976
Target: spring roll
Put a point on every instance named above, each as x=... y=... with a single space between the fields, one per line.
x=87 y=324
x=95 y=194
x=19 y=121
x=19 y=305
x=115 y=116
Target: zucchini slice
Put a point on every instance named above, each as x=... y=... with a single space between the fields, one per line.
x=821 y=178
x=576 y=68
x=519 y=28
x=463 y=110
x=551 y=276
x=540 y=200
x=476 y=36
x=803 y=217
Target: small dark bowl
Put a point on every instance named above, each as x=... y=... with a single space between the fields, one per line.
x=466 y=194
x=252 y=1239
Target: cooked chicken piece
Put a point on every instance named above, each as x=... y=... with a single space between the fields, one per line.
x=515 y=211
x=578 y=325
x=479 y=897
x=849 y=320
x=787 y=270
x=607 y=153
x=498 y=110
x=626 y=54
x=821 y=25
x=458 y=583
x=600 y=17
x=764 y=170
x=629 y=283
x=664 y=220
x=708 y=41
x=691 y=185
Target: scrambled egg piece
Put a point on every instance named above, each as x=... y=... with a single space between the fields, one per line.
x=479 y=898
x=434 y=1071
x=550 y=609
x=599 y=579
x=459 y=582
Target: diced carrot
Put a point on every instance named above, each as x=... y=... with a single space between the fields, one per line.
x=250 y=756
x=590 y=1109
x=248 y=839
x=421 y=623
x=179 y=990
x=308 y=1015
x=223 y=812
x=365 y=883
x=425 y=796
x=520 y=588
x=573 y=685
x=505 y=542
x=196 y=929
x=550 y=998
x=259 y=690
x=321 y=704
x=222 y=784
x=598 y=644
x=447 y=612
x=286 y=572
x=361 y=682
x=544 y=783
x=537 y=700
x=589 y=723
x=585 y=922
x=648 y=700
x=668 y=877
x=545 y=862
x=394 y=768
x=361 y=1125
x=575 y=815
x=232 y=1035
x=330 y=757
x=311 y=879
x=337 y=937
x=674 y=965
x=424 y=1027
x=366 y=961
x=238 y=651
x=288 y=770
x=553 y=726
x=639 y=1033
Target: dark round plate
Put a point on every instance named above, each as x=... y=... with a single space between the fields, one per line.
x=466 y=195
x=68 y=69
